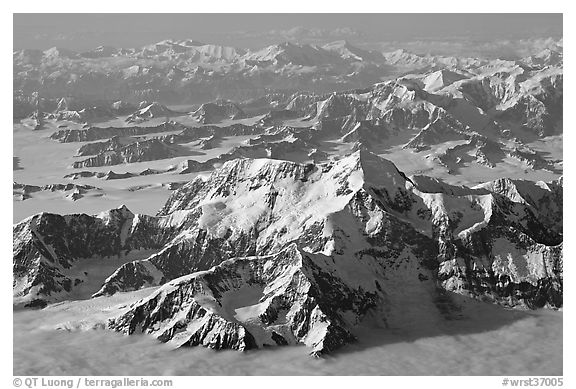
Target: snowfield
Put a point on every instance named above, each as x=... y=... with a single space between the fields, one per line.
x=291 y=210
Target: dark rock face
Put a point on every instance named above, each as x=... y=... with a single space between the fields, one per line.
x=250 y=302
x=443 y=128
x=191 y=134
x=267 y=252
x=494 y=114
x=96 y=133
x=85 y=115
x=46 y=247
x=539 y=111
x=273 y=117
x=24 y=191
x=217 y=111
x=149 y=111
x=513 y=254
x=113 y=144
x=209 y=143
x=140 y=151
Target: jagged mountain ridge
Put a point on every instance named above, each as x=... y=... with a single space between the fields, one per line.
x=491 y=116
x=180 y=71
x=73 y=192
x=217 y=111
x=490 y=110
x=393 y=244
x=46 y=245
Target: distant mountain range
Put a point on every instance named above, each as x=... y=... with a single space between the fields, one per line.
x=495 y=107
x=188 y=71
x=299 y=231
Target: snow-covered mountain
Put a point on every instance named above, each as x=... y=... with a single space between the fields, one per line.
x=484 y=120
x=271 y=252
x=189 y=71
x=72 y=191
x=217 y=111
x=149 y=111
x=282 y=221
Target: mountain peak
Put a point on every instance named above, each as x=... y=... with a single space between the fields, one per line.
x=120 y=213
x=377 y=171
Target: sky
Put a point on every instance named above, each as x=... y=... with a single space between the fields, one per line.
x=86 y=31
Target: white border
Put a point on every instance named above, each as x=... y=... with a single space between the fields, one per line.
x=292 y=6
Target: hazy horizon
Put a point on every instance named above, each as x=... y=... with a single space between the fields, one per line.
x=382 y=196
x=86 y=31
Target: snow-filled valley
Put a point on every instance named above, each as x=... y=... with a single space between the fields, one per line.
x=290 y=210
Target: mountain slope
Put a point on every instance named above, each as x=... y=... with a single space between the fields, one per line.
x=269 y=252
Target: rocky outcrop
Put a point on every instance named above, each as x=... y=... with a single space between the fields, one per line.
x=113 y=144
x=96 y=133
x=247 y=303
x=209 y=143
x=114 y=153
x=47 y=247
x=443 y=128
x=530 y=158
x=73 y=191
x=217 y=111
x=191 y=134
x=110 y=175
x=538 y=107
x=151 y=111
x=85 y=115
x=277 y=116
x=545 y=200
